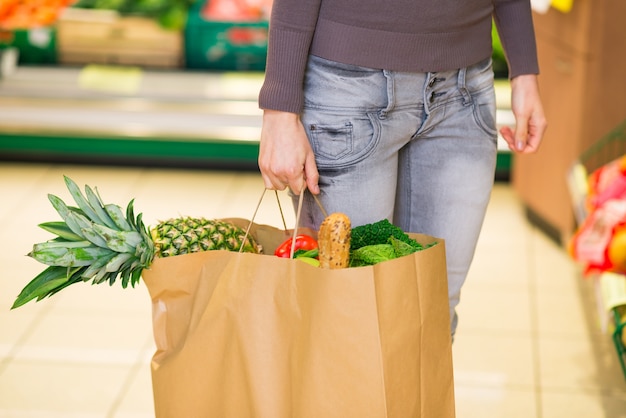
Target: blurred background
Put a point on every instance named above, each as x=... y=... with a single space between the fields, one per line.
x=156 y=100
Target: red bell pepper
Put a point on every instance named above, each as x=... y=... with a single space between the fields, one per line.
x=303 y=242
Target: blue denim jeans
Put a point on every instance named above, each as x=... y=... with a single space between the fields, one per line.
x=416 y=148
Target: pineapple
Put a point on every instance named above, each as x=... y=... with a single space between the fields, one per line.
x=95 y=241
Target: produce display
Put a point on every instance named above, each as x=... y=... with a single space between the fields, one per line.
x=99 y=242
x=171 y=14
x=599 y=243
x=27 y=14
x=237 y=10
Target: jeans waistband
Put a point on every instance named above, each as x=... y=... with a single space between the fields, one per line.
x=407 y=88
x=369 y=88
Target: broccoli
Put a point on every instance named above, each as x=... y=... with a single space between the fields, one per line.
x=379 y=233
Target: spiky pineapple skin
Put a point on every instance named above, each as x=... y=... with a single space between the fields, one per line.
x=178 y=236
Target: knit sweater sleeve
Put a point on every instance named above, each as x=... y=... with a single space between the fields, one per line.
x=291 y=30
x=513 y=19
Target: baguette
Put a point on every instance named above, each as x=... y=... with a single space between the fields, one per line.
x=334 y=241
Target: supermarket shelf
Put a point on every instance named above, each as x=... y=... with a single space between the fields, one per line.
x=125 y=115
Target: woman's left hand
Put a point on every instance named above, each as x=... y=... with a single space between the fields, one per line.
x=530 y=121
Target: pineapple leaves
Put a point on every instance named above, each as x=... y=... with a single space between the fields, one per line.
x=115 y=212
x=44 y=284
x=64 y=211
x=67 y=253
x=94 y=241
x=120 y=241
x=61 y=230
x=97 y=265
x=98 y=207
x=91 y=207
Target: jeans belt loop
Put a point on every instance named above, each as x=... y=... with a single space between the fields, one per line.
x=467 y=98
x=389 y=76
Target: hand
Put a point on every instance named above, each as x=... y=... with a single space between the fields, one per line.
x=286 y=158
x=530 y=122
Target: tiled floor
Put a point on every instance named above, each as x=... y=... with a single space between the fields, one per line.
x=528 y=346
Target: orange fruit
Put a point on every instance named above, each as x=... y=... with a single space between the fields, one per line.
x=616 y=251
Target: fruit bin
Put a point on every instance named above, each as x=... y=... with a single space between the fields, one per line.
x=610 y=286
x=91 y=36
x=226 y=45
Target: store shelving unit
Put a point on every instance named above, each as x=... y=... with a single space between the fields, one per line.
x=610 y=287
x=125 y=115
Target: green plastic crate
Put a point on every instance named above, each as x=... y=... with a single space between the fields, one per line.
x=226 y=46
x=35 y=46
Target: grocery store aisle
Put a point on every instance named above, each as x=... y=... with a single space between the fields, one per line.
x=528 y=345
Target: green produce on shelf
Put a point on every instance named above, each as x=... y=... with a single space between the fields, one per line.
x=171 y=14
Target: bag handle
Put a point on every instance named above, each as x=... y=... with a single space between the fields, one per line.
x=282 y=216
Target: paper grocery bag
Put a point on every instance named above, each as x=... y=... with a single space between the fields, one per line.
x=243 y=335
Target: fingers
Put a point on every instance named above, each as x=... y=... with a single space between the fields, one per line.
x=295 y=184
x=286 y=158
x=521 y=133
x=272 y=183
x=530 y=122
x=297 y=180
x=311 y=174
x=276 y=181
x=528 y=133
x=531 y=137
x=509 y=136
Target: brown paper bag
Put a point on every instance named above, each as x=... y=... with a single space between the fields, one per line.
x=242 y=335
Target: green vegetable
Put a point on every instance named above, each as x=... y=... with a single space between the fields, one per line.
x=379 y=233
x=314 y=253
x=401 y=248
x=371 y=254
x=376 y=253
x=170 y=14
x=312 y=261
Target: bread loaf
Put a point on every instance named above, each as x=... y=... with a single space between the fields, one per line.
x=334 y=241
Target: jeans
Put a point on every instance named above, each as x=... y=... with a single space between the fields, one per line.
x=416 y=148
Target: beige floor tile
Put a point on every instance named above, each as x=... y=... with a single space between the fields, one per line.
x=15 y=326
x=87 y=338
x=579 y=363
x=503 y=312
x=552 y=266
x=40 y=389
x=18 y=182
x=85 y=298
x=137 y=401
x=501 y=258
x=505 y=221
x=561 y=313
x=499 y=402
x=582 y=404
x=498 y=269
x=487 y=359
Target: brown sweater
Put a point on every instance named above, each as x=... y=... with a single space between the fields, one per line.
x=401 y=35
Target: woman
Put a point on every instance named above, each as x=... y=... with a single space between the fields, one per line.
x=386 y=109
